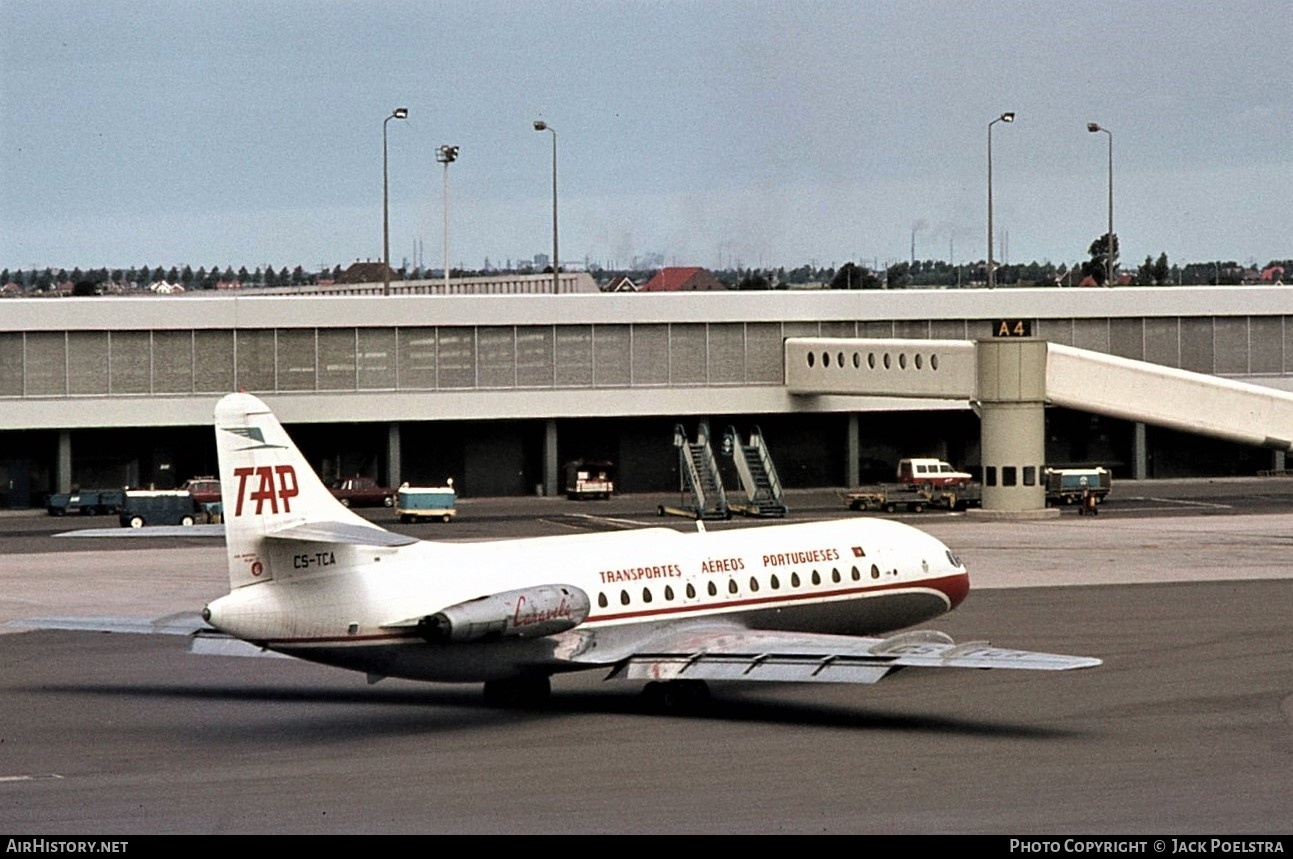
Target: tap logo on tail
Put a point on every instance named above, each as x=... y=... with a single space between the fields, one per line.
x=253 y=434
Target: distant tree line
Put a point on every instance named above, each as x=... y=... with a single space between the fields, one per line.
x=1154 y=271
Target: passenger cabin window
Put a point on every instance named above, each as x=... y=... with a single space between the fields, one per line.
x=713 y=589
x=646 y=595
x=835 y=576
x=601 y=599
x=624 y=597
x=731 y=586
x=754 y=584
x=817 y=579
x=691 y=591
x=794 y=580
x=668 y=592
x=857 y=574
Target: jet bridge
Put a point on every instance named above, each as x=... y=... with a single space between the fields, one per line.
x=1010 y=381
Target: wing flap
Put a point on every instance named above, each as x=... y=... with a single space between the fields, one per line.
x=761 y=667
x=726 y=652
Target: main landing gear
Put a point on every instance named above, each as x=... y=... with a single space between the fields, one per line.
x=676 y=696
x=519 y=693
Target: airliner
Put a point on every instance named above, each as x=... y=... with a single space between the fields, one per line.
x=814 y=602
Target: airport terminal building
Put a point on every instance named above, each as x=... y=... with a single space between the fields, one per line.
x=498 y=390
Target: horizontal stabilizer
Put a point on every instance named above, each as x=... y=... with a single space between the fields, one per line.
x=342 y=532
x=149 y=531
x=188 y=623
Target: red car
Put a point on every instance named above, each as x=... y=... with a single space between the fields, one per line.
x=204 y=490
x=362 y=492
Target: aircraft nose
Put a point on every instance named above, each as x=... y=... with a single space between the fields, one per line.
x=956 y=584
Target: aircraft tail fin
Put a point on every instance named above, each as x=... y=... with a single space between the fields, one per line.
x=268 y=487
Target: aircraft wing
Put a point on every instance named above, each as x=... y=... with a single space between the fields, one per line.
x=735 y=653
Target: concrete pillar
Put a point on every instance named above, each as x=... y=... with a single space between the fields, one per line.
x=1012 y=402
x=394 y=468
x=63 y=462
x=1278 y=460
x=853 y=450
x=1139 y=452
x=551 y=484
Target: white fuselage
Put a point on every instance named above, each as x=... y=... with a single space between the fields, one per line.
x=356 y=607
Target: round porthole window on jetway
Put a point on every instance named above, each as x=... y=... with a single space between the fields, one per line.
x=919 y=361
x=839 y=360
x=857 y=361
x=886 y=361
x=812 y=359
x=902 y=360
x=870 y=360
x=933 y=362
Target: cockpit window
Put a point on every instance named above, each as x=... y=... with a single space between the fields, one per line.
x=953 y=560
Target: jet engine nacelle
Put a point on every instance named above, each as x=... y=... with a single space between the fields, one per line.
x=524 y=613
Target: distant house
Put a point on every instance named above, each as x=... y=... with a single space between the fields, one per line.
x=621 y=283
x=364 y=272
x=689 y=279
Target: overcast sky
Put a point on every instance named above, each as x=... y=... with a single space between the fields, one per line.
x=249 y=132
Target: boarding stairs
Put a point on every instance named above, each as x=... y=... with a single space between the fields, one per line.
x=700 y=478
x=759 y=479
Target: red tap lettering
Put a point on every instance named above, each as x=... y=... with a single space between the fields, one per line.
x=242 y=474
x=287 y=488
x=274 y=483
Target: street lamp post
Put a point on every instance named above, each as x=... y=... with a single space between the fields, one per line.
x=540 y=125
x=398 y=113
x=1108 y=256
x=1008 y=116
x=446 y=155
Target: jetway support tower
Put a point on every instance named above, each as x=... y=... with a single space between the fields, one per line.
x=1009 y=382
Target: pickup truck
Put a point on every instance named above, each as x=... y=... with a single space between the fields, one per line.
x=362 y=492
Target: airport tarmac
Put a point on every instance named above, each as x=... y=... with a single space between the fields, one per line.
x=1187 y=727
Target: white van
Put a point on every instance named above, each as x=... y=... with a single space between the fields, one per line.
x=931 y=472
